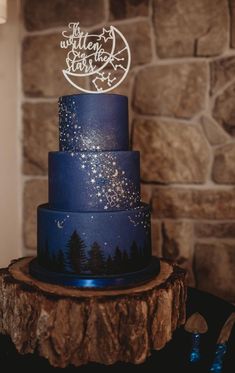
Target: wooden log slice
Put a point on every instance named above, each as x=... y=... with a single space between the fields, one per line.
x=71 y=326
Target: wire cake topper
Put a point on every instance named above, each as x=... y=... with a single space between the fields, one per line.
x=104 y=57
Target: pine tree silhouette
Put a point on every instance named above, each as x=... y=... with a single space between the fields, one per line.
x=117 y=261
x=44 y=255
x=135 y=257
x=96 y=262
x=60 y=261
x=76 y=253
x=52 y=262
x=125 y=262
x=109 y=265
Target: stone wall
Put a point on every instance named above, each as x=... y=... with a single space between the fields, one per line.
x=181 y=90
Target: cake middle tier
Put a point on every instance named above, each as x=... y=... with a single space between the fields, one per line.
x=94 y=181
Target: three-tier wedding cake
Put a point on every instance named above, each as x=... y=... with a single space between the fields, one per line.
x=94 y=231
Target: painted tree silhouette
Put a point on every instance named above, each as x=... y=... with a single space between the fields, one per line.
x=44 y=255
x=125 y=262
x=60 y=261
x=76 y=253
x=96 y=262
x=75 y=257
x=135 y=259
x=109 y=265
x=117 y=260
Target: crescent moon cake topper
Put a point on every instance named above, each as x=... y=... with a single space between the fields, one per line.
x=96 y=62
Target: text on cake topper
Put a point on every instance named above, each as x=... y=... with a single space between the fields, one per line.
x=96 y=62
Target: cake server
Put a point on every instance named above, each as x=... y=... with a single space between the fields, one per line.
x=196 y=325
x=221 y=346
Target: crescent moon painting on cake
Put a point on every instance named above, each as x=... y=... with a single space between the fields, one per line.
x=96 y=62
x=60 y=223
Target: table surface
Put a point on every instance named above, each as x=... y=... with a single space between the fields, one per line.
x=173 y=358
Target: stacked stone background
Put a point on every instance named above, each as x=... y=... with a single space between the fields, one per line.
x=181 y=90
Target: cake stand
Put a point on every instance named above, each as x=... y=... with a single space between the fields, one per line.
x=72 y=326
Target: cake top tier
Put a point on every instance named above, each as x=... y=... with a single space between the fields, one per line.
x=93 y=122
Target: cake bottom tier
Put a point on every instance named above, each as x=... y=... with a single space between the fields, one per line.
x=93 y=243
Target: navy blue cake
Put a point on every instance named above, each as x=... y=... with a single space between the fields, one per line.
x=94 y=231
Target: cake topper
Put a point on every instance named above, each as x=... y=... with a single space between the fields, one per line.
x=104 y=57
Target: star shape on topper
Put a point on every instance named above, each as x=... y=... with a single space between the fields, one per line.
x=106 y=35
